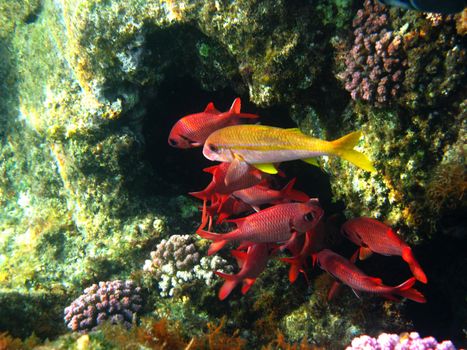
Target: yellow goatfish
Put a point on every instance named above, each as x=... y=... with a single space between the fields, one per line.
x=262 y=146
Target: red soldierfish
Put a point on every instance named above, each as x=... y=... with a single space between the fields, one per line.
x=259 y=195
x=374 y=236
x=349 y=274
x=302 y=250
x=279 y=223
x=218 y=185
x=192 y=130
x=251 y=263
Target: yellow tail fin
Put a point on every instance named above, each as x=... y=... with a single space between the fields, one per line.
x=343 y=148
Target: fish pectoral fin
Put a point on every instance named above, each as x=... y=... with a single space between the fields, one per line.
x=237 y=169
x=247 y=283
x=364 y=253
x=334 y=290
x=312 y=161
x=267 y=168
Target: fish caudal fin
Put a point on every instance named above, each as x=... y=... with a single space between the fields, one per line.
x=230 y=283
x=405 y=290
x=218 y=241
x=343 y=148
x=417 y=271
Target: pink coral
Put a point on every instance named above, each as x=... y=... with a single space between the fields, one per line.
x=406 y=341
x=376 y=63
x=116 y=301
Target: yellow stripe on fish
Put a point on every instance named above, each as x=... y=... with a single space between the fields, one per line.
x=264 y=145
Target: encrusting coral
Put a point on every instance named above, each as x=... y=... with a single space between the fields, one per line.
x=114 y=301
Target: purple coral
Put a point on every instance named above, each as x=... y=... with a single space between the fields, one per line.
x=406 y=341
x=116 y=301
x=375 y=65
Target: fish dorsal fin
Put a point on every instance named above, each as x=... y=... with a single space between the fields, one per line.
x=211 y=169
x=236 y=106
x=312 y=161
x=211 y=109
x=267 y=168
x=239 y=256
x=364 y=253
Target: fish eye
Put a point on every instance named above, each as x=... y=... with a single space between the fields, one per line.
x=173 y=142
x=309 y=216
x=213 y=148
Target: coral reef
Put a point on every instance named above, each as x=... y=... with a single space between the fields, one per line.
x=333 y=324
x=395 y=342
x=81 y=202
x=375 y=65
x=177 y=263
x=115 y=301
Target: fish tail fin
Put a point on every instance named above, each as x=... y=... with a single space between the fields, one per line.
x=344 y=148
x=230 y=283
x=416 y=269
x=218 y=240
x=405 y=290
x=212 y=236
x=216 y=246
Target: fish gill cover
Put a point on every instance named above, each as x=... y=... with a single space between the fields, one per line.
x=86 y=194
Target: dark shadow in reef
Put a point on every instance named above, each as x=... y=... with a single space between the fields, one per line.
x=444 y=261
x=181 y=169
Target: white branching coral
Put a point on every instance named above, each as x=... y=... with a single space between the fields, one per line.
x=176 y=264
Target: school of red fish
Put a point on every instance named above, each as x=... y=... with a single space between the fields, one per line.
x=270 y=221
